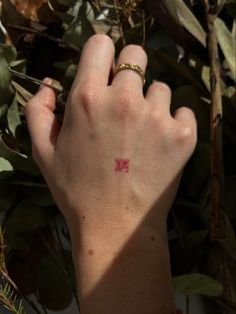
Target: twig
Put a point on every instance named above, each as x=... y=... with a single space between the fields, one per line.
x=226 y=304
x=34 y=80
x=217 y=221
x=44 y=35
x=122 y=35
x=31 y=303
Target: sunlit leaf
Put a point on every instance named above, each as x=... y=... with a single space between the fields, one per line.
x=197 y=284
x=227 y=44
x=6 y=168
x=19 y=65
x=189 y=21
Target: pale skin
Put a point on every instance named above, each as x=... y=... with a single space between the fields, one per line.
x=117 y=218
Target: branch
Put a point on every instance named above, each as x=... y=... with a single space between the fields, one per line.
x=217 y=221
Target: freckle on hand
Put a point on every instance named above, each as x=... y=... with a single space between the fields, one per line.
x=90 y=252
x=152 y=238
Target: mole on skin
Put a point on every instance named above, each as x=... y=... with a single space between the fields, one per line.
x=90 y=252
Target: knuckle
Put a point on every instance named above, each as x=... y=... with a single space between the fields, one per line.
x=125 y=105
x=86 y=96
x=186 y=135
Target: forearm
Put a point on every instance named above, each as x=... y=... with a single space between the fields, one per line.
x=123 y=272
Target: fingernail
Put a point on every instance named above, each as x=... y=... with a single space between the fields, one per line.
x=47 y=81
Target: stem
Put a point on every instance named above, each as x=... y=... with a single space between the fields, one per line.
x=44 y=35
x=31 y=303
x=217 y=222
x=122 y=35
x=34 y=80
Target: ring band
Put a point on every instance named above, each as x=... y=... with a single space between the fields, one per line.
x=130 y=66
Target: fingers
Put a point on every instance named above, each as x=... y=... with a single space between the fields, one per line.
x=159 y=95
x=96 y=61
x=42 y=123
x=129 y=78
x=187 y=126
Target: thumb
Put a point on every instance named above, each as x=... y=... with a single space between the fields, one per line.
x=42 y=123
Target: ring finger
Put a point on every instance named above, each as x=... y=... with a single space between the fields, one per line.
x=131 y=54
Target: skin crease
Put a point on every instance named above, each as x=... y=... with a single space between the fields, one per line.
x=117 y=219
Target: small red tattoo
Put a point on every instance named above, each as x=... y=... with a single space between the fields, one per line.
x=122 y=165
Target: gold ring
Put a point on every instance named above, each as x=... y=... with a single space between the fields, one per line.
x=130 y=66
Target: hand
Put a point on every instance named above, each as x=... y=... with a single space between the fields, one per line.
x=114 y=167
x=104 y=123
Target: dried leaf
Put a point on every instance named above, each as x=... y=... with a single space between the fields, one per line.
x=28 y=8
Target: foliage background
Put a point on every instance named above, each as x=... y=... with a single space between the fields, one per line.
x=44 y=39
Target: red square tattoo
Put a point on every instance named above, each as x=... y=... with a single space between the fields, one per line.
x=122 y=165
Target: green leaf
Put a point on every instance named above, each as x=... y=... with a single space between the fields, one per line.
x=3 y=110
x=7 y=197
x=28 y=216
x=13 y=117
x=6 y=168
x=5 y=81
x=189 y=21
x=54 y=288
x=227 y=44
x=19 y=65
x=179 y=68
x=196 y=283
x=165 y=12
x=40 y=196
x=81 y=28
x=19 y=161
x=8 y=52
